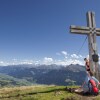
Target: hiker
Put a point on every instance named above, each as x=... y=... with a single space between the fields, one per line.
x=90 y=85
x=84 y=88
x=85 y=84
x=87 y=65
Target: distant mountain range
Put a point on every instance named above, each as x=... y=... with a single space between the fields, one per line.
x=42 y=74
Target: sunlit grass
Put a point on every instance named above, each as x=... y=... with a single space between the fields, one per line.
x=38 y=92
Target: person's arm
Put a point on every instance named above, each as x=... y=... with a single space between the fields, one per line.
x=88 y=63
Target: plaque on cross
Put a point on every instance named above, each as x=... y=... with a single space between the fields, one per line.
x=91 y=31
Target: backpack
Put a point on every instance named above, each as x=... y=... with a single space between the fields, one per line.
x=94 y=90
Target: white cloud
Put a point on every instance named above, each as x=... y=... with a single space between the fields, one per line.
x=16 y=62
x=68 y=62
x=60 y=62
x=64 y=53
x=80 y=56
x=2 y=63
x=77 y=62
x=45 y=60
x=48 y=60
x=74 y=56
x=25 y=62
x=37 y=62
x=64 y=59
x=70 y=59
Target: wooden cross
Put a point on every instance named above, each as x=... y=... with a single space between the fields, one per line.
x=91 y=31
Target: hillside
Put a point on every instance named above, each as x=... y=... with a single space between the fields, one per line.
x=41 y=92
x=6 y=80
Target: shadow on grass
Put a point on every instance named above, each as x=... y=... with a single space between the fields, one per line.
x=33 y=93
x=70 y=90
x=47 y=91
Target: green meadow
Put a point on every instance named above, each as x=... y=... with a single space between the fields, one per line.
x=41 y=92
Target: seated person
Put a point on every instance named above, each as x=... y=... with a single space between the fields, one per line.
x=85 y=85
x=90 y=84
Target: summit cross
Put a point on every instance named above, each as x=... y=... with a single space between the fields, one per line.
x=91 y=31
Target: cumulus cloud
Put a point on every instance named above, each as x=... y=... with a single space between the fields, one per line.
x=60 y=62
x=70 y=58
x=63 y=59
x=47 y=60
x=74 y=56
x=77 y=62
x=37 y=62
x=64 y=53
x=25 y=62
x=2 y=63
x=68 y=62
x=16 y=62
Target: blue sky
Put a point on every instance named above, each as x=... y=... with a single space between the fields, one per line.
x=37 y=31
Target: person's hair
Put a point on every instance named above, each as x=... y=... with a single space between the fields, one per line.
x=85 y=59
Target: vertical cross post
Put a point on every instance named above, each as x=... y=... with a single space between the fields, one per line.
x=92 y=43
x=91 y=31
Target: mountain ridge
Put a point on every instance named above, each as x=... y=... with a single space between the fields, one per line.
x=47 y=74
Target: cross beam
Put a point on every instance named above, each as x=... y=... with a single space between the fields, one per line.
x=83 y=30
x=91 y=31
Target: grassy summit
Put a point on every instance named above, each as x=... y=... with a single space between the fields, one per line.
x=41 y=92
